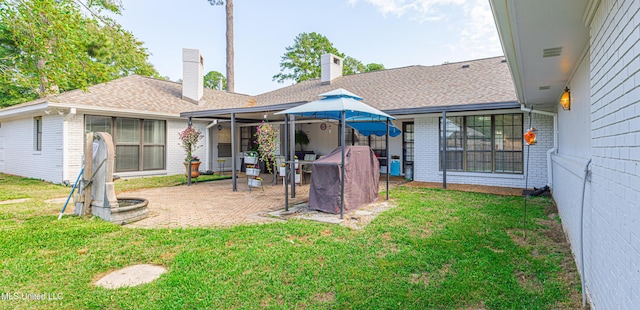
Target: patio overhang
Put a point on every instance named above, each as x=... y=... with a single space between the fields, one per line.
x=544 y=42
x=253 y=114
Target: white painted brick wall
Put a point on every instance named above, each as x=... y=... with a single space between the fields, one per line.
x=20 y=158
x=427 y=157
x=175 y=152
x=74 y=145
x=612 y=214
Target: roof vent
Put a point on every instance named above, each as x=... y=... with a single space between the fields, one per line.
x=546 y=87
x=551 y=52
x=465 y=66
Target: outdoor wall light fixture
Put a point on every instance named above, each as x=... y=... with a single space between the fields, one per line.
x=565 y=100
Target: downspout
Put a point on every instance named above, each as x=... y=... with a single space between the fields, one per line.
x=555 y=141
x=582 y=275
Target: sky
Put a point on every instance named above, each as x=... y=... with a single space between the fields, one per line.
x=396 y=33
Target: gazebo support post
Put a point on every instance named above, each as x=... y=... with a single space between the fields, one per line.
x=292 y=153
x=233 y=152
x=286 y=159
x=444 y=149
x=387 y=153
x=343 y=125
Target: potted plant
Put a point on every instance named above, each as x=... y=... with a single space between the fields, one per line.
x=283 y=169
x=251 y=157
x=302 y=138
x=255 y=182
x=252 y=170
x=298 y=176
x=189 y=139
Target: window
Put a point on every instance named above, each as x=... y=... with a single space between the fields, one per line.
x=37 y=133
x=484 y=143
x=139 y=143
x=224 y=142
x=153 y=144
x=246 y=138
x=407 y=144
x=377 y=144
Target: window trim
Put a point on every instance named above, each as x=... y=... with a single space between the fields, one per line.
x=141 y=143
x=493 y=149
x=37 y=134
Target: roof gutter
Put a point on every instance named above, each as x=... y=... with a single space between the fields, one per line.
x=7 y=113
x=115 y=111
x=266 y=108
x=455 y=108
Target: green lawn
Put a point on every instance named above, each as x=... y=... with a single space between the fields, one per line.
x=435 y=250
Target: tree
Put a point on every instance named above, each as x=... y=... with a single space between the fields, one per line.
x=351 y=65
x=374 y=67
x=215 y=80
x=229 y=36
x=51 y=45
x=302 y=59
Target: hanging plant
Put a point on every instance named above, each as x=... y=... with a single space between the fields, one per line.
x=267 y=140
x=189 y=140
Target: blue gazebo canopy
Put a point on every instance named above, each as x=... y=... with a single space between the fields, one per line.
x=333 y=103
x=364 y=118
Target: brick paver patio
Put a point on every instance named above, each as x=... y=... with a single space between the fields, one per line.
x=210 y=204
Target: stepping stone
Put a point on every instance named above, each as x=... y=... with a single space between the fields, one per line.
x=6 y=202
x=330 y=220
x=131 y=276
x=58 y=200
x=360 y=212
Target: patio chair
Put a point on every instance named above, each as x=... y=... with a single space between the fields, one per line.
x=276 y=169
x=306 y=169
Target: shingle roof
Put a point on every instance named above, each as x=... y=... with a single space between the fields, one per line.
x=483 y=81
x=147 y=94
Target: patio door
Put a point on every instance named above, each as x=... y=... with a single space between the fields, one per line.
x=407 y=148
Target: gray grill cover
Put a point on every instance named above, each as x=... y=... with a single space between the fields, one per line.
x=362 y=175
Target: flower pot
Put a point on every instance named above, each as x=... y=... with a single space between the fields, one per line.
x=296 y=164
x=255 y=183
x=253 y=172
x=283 y=171
x=194 y=169
x=250 y=160
x=298 y=178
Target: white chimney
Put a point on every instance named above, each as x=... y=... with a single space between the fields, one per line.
x=192 y=75
x=331 y=68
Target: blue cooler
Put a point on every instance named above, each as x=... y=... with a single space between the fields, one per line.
x=395 y=167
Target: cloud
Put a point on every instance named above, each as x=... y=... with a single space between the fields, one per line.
x=471 y=21
x=479 y=34
x=419 y=9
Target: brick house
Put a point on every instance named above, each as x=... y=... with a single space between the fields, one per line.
x=593 y=49
x=484 y=123
x=477 y=95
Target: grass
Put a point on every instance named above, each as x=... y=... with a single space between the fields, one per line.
x=435 y=250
